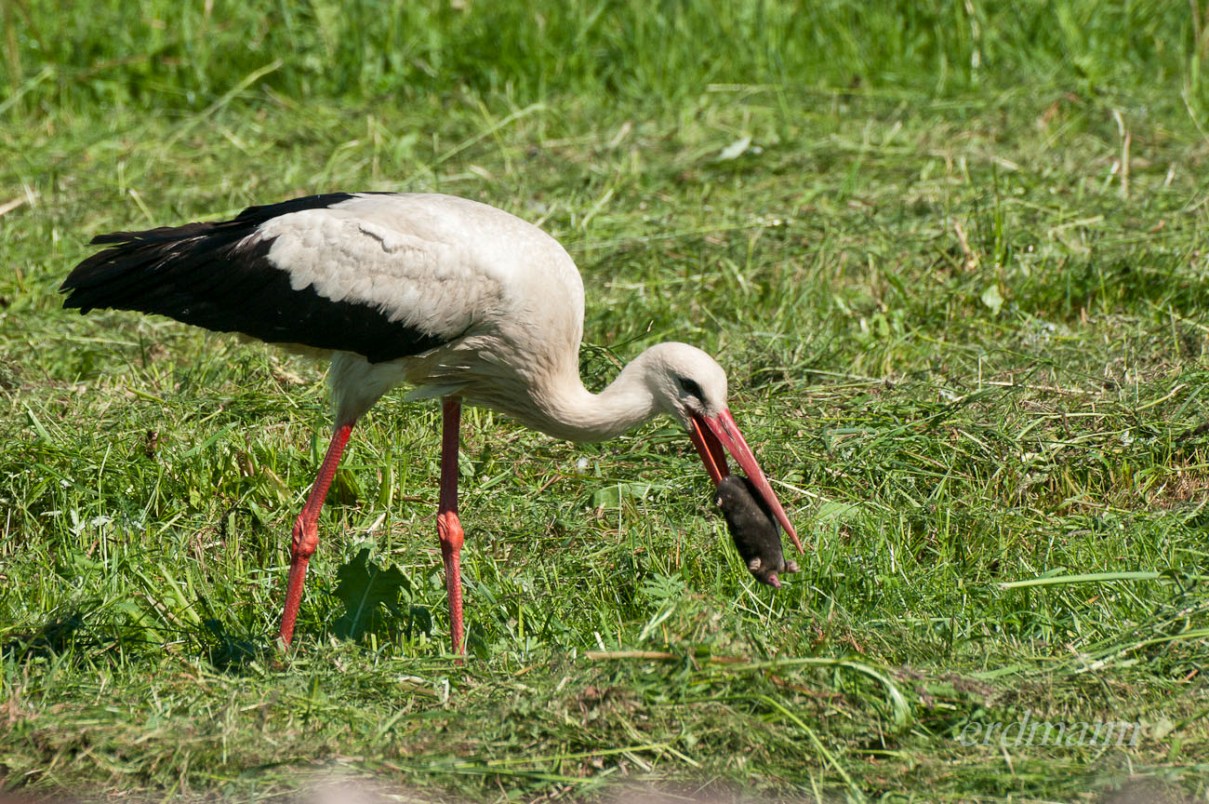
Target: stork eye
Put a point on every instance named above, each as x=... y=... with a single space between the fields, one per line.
x=690 y=387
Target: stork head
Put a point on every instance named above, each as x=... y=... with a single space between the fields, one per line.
x=690 y=385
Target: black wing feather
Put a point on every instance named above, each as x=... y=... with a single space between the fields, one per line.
x=216 y=276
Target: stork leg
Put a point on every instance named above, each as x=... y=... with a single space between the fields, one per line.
x=306 y=530
x=449 y=528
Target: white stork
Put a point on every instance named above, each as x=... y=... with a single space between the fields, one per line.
x=459 y=299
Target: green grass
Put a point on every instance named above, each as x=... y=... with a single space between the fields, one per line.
x=959 y=284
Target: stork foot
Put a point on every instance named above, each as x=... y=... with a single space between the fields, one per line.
x=449 y=529
x=305 y=537
x=303 y=545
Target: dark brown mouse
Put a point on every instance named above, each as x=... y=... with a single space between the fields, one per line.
x=753 y=530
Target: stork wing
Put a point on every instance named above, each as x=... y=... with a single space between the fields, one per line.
x=338 y=271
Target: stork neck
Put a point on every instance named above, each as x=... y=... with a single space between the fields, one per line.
x=575 y=413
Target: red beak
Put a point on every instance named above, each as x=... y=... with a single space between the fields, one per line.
x=710 y=434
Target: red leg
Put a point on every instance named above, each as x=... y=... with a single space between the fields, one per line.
x=449 y=529
x=306 y=531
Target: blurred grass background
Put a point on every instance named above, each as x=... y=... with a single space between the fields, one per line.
x=149 y=54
